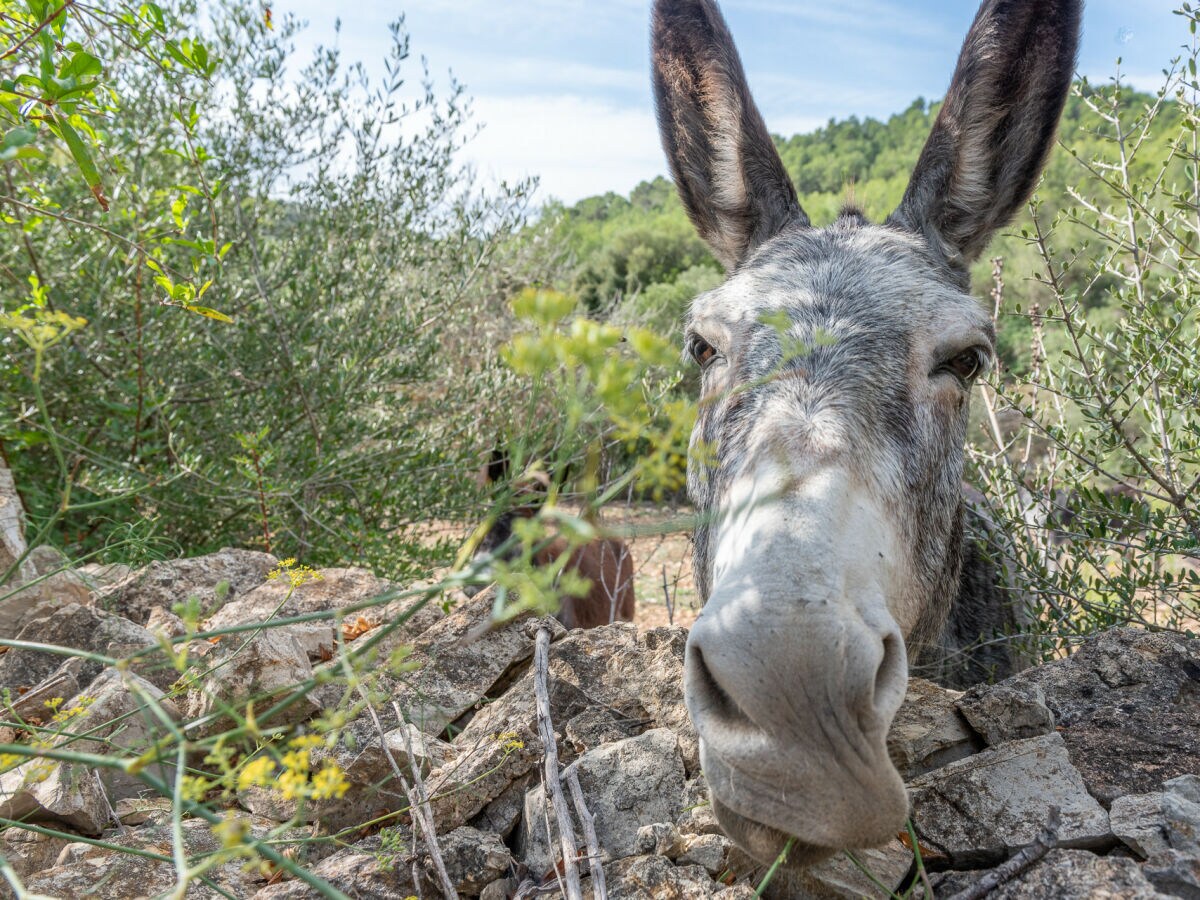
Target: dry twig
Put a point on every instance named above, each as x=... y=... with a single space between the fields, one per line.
x=1046 y=841
x=588 y=821
x=566 y=829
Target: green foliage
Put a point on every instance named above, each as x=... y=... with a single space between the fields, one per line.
x=1091 y=454
x=327 y=257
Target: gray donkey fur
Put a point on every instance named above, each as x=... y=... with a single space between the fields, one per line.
x=837 y=551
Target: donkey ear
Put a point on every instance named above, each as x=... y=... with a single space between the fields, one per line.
x=996 y=125
x=729 y=175
x=496 y=470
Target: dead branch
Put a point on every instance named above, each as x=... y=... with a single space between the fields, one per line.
x=1046 y=841
x=566 y=829
x=418 y=805
x=588 y=821
x=422 y=798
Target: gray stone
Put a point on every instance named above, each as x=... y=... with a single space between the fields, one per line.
x=500 y=889
x=81 y=628
x=1168 y=819
x=212 y=579
x=473 y=860
x=51 y=584
x=121 y=720
x=708 y=851
x=266 y=668
x=99 y=576
x=635 y=782
x=458 y=661
x=838 y=877
x=335 y=589
x=164 y=622
x=981 y=809
x=1127 y=703
x=502 y=814
x=635 y=677
x=46 y=791
x=1008 y=711
x=85 y=870
x=659 y=838
x=12 y=533
x=697 y=816
x=482 y=772
x=1064 y=875
x=60 y=685
x=29 y=852
x=1174 y=873
x=642 y=877
x=374 y=788
x=1181 y=812
x=1138 y=821
x=928 y=731
x=134 y=811
x=368 y=870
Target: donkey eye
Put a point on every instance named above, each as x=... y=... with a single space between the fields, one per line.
x=701 y=350
x=966 y=366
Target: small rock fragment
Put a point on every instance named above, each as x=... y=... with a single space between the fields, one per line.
x=1009 y=711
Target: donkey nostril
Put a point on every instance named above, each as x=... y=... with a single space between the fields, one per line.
x=890 y=678
x=717 y=700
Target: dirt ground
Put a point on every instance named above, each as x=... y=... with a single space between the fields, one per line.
x=658 y=538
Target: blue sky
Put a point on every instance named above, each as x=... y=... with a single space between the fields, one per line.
x=562 y=86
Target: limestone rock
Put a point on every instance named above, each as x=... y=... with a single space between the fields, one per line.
x=635 y=782
x=1008 y=711
x=697 y=816
x=134 y=811
x=212 y=579
x=166 y=623
x=502 y=814
x=12 y=529
x=473 y=860
x=459 y=660
x=928 y=731
x=708 y=851
x=1138 y=821
x=981 y=809
x=99 y=576
x=1065 y=875
x=642 y=877
x=266 y=667
x=374 y=788
x=80 y=628
x=367 y=870
x=46 y=791
x=1174 y=873
x=482 y=772
x=659 y=838
x=84 y=870
x=840 y=878
x=603 y=682
x=29 y=852
x=336 y=589
x=1128 y=706
x=119 y=720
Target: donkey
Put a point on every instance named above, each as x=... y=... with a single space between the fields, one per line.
x=606 y=563
x=836 y=369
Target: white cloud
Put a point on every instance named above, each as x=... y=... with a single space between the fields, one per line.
x=579 y=146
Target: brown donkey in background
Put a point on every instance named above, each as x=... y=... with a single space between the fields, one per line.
x=605 y=562
x=837 y=365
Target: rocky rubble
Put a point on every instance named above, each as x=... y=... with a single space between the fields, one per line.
x=1110 y=737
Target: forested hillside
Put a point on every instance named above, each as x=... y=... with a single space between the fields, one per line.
x=637 y=258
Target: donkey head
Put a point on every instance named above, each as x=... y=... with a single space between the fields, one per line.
x=524 y=498
x=837 y=366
